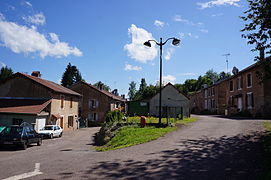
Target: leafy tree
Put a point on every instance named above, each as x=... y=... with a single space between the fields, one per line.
x=143 y=84
x=212 y=75
x=70 y=76
x=258 y=27
x=5 y=72
x=101 y=84
x=132 y=90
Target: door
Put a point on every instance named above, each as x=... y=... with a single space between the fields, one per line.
x=61 y=122
x=239 y=104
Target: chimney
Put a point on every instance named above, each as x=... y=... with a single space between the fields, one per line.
x=36 y=74
x=100 y=86
x=123 y=96
x=262 y=54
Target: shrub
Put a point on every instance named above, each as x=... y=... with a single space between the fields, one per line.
x=114 y=116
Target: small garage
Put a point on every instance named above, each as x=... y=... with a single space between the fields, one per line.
x=14 y=111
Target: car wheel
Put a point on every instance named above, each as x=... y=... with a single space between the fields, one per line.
x=39 y=142
x=51 y=136
x=60 y=134
x=24 y=145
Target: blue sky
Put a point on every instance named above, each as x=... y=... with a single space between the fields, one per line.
x=104 y=38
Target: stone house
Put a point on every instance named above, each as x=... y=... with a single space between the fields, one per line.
x=37 y=101
x=244 y=93
x=173 y=102
x=96 y=102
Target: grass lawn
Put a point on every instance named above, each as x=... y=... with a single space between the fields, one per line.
x=267 y=150
x=129 y=136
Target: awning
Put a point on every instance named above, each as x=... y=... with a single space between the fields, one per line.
x=57 y=116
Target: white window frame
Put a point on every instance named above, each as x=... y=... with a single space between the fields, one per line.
x=239 y=83
x=249 y=106
x=93 y=103
x=247 y=80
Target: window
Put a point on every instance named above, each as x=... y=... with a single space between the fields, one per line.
x=249 y=80
x=212 y=103
x=205 y=104
x=249 y=100
x=71 y=102
x=205 y=93
x=16 y=121
x=231 y=101
x=209 y=92
x=231 y=85
x=239 y=83
x=70 y=121
x=93 y=116
x=213 y=91
x=62 y=101
x=93 y=103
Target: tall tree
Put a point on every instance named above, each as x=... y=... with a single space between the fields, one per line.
x=132 y=90
x=258 y=27
x=100 y=84
x=143 y=84
x=70 y=76
x=5 y=72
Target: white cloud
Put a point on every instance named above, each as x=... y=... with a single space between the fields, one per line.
x=129 y=67
x=169 y=53
x=178 y=18
x=190 y=35
x=21 y=39
x=37 y=19
x=2 y=17
x=2 y=64
x=216 y=15
x=214 y=3
x=204 y=30
x=187 y=74
x=159 y=23
x=28 y=3
x=169 y=78
x=136 y=50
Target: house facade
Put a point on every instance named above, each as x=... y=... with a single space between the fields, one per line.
x=96 y=102
x=173 y=103
x=61 y=109
x=244 y=93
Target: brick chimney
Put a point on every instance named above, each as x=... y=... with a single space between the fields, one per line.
x=36 y=74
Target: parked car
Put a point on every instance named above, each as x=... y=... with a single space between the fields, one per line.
x=21 y=136
x=51 y=131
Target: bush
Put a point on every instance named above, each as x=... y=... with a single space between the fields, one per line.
x=114 y=116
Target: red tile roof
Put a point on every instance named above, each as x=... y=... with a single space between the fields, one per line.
x=49 y=84
x=117 y=98
x=23 y=106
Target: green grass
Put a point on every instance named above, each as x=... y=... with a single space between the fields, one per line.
x=129 y=136
x=186 y=121
x=267 y=150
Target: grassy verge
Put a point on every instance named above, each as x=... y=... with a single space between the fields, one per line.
x=129 y=136
x=267 y=151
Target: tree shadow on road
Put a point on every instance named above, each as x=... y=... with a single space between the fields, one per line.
x=238 y=157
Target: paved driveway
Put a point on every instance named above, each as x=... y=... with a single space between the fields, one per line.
x=212 y=148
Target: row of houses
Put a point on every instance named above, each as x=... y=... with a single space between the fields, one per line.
x=245 y=93
x=29 y=98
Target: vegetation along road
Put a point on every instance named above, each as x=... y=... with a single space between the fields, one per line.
x=211 y=148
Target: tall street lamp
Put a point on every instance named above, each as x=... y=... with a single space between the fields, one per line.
x=175 y=42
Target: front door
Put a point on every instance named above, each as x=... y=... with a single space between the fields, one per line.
x=239 y=104
x=61 y=122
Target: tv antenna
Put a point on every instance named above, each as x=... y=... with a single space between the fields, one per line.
x=227 y=60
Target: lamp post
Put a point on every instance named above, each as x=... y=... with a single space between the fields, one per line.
x=175 y=42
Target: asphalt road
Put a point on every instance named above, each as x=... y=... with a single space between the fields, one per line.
x=212 y=148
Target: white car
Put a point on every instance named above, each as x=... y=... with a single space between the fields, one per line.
x=51 y=131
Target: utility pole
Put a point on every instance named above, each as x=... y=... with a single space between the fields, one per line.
x=227 y=61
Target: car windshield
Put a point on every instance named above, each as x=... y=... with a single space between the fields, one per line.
x=48 y=128
x=12 y=130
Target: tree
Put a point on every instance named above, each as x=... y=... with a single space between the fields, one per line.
x=212 y=75
x=143 y=84
x=70 y=76
x=5 y=72
x=258 y=27
x=132 y=90
x=102 y=85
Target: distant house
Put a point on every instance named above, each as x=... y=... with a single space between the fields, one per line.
x=37 y=101
x=96 y=102
x=244 y=93
x=173 y=102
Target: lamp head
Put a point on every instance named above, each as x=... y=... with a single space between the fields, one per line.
x=147 y=43
x=176 y=41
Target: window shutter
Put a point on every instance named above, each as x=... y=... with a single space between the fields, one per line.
x=97 y=103
x=252 y=100
x=246 y=100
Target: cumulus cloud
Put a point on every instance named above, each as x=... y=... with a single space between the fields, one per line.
x=136 y=50
x=159 y=23
x=22 y=39
x=129 y=67
x=37 y=19
x=169 y=53
x=169 y=78
x=214 y=3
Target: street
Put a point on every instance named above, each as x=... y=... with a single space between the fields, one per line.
x=211 y=148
